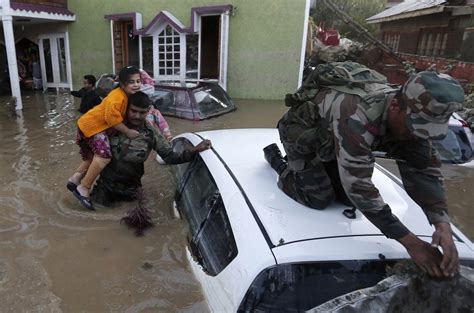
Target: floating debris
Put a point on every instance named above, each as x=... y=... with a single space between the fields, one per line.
x=139 y=217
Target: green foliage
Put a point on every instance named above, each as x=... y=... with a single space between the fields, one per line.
x=359 y=10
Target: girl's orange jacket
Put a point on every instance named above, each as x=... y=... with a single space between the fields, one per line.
x=110 y=112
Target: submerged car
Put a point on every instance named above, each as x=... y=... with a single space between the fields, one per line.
x=191 y=100
x=254 y=249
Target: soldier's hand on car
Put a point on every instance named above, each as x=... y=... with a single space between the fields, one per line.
x=203 y=145
x=443 y=237
x=427 y=257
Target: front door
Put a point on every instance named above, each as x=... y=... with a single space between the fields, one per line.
x=214 y=34
x=54 y=56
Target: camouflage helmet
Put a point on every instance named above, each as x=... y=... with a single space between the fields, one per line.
x=431 y=98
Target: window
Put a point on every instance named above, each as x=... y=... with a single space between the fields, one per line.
x=443 y=44
x=163 y=100
x=300 y=287
x=432 y=43
x=183 y=53
x=422 y=45
x=168 y=52
x=179 y=145
x=392 y=40
x=147 y=51
x=211 y=239
x=192 y=56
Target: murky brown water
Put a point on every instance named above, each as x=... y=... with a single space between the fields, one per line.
x=57 y=257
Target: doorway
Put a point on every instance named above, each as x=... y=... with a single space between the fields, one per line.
x=210 y=38
x=126 y=51
x=54 y=57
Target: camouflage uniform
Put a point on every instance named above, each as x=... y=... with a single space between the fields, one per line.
x=335 y=127
x=122 y=176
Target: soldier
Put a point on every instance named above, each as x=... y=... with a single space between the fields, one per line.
x=121 y=178
x=333 y=137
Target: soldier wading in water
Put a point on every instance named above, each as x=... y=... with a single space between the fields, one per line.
x=329 y=139
x=121 y=178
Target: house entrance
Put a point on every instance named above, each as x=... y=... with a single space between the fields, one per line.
x=54 y=61
x=27 y=58
x=126 y=50
x=210 y=38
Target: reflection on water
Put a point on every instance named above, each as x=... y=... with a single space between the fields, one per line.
x=58 y=257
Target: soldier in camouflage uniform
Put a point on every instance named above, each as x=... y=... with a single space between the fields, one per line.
x=339 y=130
x=121 y=178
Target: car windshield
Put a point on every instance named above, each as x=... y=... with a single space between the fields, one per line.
x=300 y=287
x=212 y=99
x=455 y=147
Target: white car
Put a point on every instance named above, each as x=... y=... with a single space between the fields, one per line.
x=254 y=249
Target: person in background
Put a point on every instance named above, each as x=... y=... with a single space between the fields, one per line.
x=88 y=94
x=35 y=69
x=94 y=129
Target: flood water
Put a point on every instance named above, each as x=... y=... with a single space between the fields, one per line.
x=55 y=256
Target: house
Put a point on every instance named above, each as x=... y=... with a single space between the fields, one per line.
x=35 y=27
x=253 y=49
x=431 y=32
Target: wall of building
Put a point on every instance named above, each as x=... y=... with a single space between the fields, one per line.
x=411 y=29
x=463 y=71
x=265 y=39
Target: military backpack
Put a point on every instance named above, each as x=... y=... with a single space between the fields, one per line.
x=348 y=77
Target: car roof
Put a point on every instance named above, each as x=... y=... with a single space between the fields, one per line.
x=285 y=220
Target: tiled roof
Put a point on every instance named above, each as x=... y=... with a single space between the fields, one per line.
x=38 y=8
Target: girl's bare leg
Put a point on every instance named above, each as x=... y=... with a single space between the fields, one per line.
x=93 y=171
x=79 y=172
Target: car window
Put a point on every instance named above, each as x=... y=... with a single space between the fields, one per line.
x=455 y=147
x=212 y=99
x=163 y=100
x=210 y=234
x=302 y=286
x=179 y=146
x=183 y=105
x=196 y=195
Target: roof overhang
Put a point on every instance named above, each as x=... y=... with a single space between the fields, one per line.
x=165 y=17
x=455 y=11
x=41 y=12
x=405 y=15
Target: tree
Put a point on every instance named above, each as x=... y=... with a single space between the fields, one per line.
x=359 y=10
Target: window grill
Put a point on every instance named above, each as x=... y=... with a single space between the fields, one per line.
x=168 y=52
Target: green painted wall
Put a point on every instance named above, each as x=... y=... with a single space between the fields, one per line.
x=265 y=39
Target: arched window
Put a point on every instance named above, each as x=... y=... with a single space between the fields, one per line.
x=169 y=52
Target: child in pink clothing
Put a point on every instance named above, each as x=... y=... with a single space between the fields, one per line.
x=156 y=119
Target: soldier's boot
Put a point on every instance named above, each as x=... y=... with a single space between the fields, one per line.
x=273 y=156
